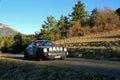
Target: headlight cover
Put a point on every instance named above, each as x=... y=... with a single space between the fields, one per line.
x=58 y=48
x=50 y=49
x=65 y=49
x=45 y=50
x=54 y=48
x=61 y=48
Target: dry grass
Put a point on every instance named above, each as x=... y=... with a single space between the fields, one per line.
x=0 y=52
x=103 y=45
x=18 y=70
x=103 y=36
x=104 y=53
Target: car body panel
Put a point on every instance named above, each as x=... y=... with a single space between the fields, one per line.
x=45 y=49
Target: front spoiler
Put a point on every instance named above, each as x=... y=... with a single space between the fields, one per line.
x=54 y=55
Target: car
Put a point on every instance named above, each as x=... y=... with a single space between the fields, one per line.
x=45 y=49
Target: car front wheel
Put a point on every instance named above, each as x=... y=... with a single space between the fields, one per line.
x=26 y=55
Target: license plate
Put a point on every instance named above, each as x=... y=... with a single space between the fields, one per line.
x=57 y=56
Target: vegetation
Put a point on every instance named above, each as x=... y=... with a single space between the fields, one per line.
x=105 y=46
x=14 y=44
x=77 y=29
x=118 y=11
x=106 y=39
x=102 y=53
x=29 y=71
x=78 y=23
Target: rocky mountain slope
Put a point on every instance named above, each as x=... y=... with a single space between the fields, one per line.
x=6 y=30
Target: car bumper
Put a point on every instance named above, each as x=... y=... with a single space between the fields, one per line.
x=55 y=55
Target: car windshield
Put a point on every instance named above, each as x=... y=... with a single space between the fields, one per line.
x=38 y=43
x=49 y=43
x=44 y=43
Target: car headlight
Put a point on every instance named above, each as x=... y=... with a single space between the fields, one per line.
x=58 y=48
x=45 y=50
x=50 y=49
x=67 y=53
x=54 y=49
x=49 y=53
x=65 y=49
x=61 y=48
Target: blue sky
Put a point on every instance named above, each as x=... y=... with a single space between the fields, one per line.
x=27 y=16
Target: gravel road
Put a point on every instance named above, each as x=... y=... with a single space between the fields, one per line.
x=111 y=68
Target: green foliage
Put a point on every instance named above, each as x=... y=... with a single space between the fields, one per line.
x=79 y=18
x=79 y=13
x=118 y=11
x=63 y=28
x=18 y=39
x=47 y=27
x=93 y=17
x=26 y=40
x=79 y=23
x=54 y=30
x=18 y=43
x=14 y=44
x=6 y=43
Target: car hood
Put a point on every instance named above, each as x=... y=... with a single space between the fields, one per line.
x=47 y=46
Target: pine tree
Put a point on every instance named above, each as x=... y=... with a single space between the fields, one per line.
x=63 y=25
x=93 y=17
x=78 y=20
x=79 y=13
x=118 y=11
x=48 y=28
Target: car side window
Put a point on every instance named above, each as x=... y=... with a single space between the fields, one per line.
x=31 y=44
x=37 y=43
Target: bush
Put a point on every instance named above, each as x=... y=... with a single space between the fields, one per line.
x=14 y=44
x=106 y=20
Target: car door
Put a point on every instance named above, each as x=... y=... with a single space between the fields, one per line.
x=30 y=48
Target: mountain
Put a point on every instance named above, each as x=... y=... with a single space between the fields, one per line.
x=6 y=30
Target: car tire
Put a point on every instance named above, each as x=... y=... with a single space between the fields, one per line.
x=26 y=56
x=42 y=57
x=37 y=55
x=62 y=58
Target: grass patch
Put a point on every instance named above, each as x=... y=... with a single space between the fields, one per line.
x=108 y=53
x=18 y=70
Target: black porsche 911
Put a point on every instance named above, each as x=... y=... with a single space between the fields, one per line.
x=45 y=49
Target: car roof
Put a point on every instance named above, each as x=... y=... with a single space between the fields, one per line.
x=42 y=40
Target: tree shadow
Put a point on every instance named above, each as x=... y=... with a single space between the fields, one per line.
x=21 y=57
x=117 y=36
x=14 y=57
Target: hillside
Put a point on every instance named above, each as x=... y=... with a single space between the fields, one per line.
x=6 y=30
x=111 y=36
